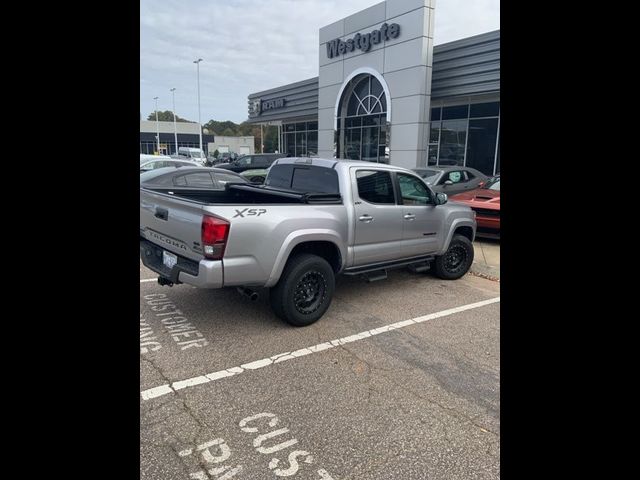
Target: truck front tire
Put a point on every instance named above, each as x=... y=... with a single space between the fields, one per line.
x=457 y=260
x=305 y=289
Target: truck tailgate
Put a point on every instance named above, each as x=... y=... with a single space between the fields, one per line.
x=173 y=223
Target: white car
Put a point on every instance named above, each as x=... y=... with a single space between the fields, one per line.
x=194 y=154
x=152 y=162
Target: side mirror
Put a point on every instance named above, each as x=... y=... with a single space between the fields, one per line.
x=448 y=182
x=441 y=198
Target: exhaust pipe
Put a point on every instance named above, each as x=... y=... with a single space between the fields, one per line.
x=247 y=292
x=163 y=281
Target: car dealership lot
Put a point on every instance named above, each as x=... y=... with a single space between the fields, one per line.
x=219 y=401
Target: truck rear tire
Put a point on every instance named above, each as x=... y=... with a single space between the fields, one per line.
x=305 y=289
x=457 y=260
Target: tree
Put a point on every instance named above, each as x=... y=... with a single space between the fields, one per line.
x=166 y=116
x=216 y=153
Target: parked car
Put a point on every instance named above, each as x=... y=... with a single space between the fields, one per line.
x=452 y=180
x=192 y=177
x=152 y=162
x=313 y=219
x=252 y=162
x=194 y=154
x=225 y=157
x=485 y=201
x=255 y=176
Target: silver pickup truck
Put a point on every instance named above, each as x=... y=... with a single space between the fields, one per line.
x=312 y=219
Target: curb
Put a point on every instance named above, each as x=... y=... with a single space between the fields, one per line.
x=485 y=271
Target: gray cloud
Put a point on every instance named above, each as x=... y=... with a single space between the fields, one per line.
x=251 y=45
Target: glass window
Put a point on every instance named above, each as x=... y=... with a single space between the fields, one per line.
x=485 y=110
x=303 y=178
x=244 y=161
x=370 y=144
x=290 y=127
x=199 y=180
x=301 y=144
x=353 y=122
x=180 y=181
x=316 y=180
x=429 y=176
x=302 y=126
x=452 y=142
x=459 y=111
x=481 y=146
x=352 y=144
x=364 y=134
x=375 y=186
x=433 y=154
x=434 y=136
x=224 y=178
x=454 y=176
x=435 y=113
x=492 y=184
x=413 y=191
x=312 y=125
x=312 y=143
x=290 y=144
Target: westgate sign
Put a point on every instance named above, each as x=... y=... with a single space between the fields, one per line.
x=363 y=42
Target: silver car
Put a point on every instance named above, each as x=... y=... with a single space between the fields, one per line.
x=452 y=180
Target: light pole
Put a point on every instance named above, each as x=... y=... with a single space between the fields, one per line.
x=175 y=131
x=157 y=127
x=197 y=62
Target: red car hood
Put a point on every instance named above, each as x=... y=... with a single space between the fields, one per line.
x=480 y=197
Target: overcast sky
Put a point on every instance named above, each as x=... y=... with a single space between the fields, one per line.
x=252 y=45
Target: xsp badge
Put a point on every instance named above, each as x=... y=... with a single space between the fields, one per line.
x=250 y=212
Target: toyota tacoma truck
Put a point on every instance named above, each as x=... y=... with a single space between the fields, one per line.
x=313 y=219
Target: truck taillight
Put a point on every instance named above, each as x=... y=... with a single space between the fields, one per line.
x=214 y=236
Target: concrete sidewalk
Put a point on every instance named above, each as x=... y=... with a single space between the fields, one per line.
x=486 y=262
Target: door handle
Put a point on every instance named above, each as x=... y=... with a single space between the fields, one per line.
x=409 y=216
x=366 y=218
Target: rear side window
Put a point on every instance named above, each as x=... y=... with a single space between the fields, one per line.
x=305 y=179
x=224 y=178
x=198 y=180
x=319 y=180
x=374 y=186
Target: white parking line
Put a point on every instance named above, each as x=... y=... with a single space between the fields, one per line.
x=148 y=280
x=281 y=357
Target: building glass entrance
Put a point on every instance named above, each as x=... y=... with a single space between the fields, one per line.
x=362 y=126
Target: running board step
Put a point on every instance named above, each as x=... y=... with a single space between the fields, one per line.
x=375 y=276
x=420 y=267
x=387 y=265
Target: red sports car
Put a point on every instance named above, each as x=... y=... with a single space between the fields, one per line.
x=485 y=201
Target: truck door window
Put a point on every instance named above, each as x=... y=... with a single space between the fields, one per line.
x=413 y=190
x=374 y=186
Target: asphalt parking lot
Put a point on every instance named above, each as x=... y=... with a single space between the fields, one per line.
x=400 y=379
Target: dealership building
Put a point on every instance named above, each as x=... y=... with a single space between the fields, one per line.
x=187 y=134
x=385 y=93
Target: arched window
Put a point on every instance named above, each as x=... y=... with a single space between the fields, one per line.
x=367 y=98
x=363 y=125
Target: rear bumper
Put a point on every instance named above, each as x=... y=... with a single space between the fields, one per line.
x=203 y=274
